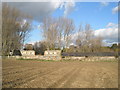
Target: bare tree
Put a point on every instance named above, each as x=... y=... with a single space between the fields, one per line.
x=15 y=27
x=96 y=44
x=60 y=32
x=88 y=34
x=86 y=39
x=50 y=32
x=57 y=30
x=68 y=28
x=79 y=39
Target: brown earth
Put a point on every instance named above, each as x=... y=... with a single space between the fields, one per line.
x=74 y=74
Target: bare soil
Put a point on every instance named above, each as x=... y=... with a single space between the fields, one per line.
x=75 y=74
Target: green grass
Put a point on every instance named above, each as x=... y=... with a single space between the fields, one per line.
x=66 y=60
x=38 y=60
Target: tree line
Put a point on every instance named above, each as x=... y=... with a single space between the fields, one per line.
x=58 y=33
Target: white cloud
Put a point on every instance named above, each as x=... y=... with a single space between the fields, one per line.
x=115 y=9
x=69 y=7
x=109 y=34
x=104 y=3
x=31 y=43
x=110 y=24
x=39 y=10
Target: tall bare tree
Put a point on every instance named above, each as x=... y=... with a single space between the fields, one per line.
x=88 y=34
x=57 y=31
x=67 y=30
x=15 y=27
x=87 y=40
x=79 y=38
x=50 y=32
x=60 y=31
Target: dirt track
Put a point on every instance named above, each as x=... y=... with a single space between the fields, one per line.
x=75 y=74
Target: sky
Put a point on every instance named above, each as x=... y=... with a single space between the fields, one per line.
x=102 y=16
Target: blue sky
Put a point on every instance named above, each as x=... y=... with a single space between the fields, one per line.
x=97 y=14
x=91 y=12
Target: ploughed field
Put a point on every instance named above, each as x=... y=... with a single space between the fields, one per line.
x=64 y=74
